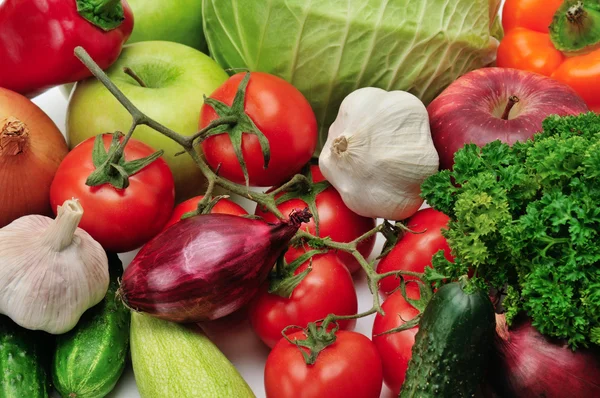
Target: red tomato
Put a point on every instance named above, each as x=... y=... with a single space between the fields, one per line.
x=395 y=349
x=327 y=289
x=413 y=252
x=120 y=220
x=349 y=368
x=335 y=221
x=284 y=116
x=223 y=206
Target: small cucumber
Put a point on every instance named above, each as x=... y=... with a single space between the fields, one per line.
x=90 y=359
x=22 y=370
x=172 y=360
x=452 y=346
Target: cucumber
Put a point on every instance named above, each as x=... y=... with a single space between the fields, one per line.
x=22 y=370
x=452 y=346
x=171 y=360
x=90 y=359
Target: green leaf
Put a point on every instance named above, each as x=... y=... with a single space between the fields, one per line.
x=105 y=14
x=244 y=125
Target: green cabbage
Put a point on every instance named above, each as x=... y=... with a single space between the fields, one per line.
x=329 y=48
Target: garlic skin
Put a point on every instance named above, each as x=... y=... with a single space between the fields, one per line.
x=378 y=153
x=50 y=270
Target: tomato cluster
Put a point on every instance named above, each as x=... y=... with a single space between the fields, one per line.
x=123 y=218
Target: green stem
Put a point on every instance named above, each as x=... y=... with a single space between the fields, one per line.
x=107 y=6
x=121 y=149
x=332 y=318
x=128 y=71
x=202 y=134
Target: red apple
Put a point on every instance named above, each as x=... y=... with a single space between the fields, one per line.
x=496 y=104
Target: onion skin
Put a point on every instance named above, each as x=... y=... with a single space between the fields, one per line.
x=31 y=148
x=205 y=267
x=529 y=365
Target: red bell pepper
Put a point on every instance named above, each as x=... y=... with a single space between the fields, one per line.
x=37 y=40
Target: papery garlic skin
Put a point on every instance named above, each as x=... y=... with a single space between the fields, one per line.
x=378 y=153
x=51 y=272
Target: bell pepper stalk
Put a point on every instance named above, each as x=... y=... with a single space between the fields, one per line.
x=555 y=38
x=37 y=40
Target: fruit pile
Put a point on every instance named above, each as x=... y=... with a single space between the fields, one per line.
x=295 y=170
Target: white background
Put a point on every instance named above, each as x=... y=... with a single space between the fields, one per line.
x=234 y=336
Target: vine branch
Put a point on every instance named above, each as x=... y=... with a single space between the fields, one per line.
x=266 y=200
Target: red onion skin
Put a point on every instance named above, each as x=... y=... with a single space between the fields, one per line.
x=531 y=365
x=204 y=267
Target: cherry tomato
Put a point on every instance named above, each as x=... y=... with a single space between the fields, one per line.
x=120 y=220
x=349 y=368
x=283 y=115
x=223 y=206
x=395 y=349
x=414 y=251
x=336 y=221
x=327 y=289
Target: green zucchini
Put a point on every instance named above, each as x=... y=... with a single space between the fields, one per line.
x=90 y=359
x=452 y=345
x=172 y=360
x=22 y=370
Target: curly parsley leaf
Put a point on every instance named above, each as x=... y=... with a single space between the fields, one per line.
x=527 y=218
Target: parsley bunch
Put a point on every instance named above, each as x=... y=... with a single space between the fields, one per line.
x=526 y=218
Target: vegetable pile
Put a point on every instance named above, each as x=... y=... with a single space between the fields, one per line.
x=526 y=219
x=328 y=49
x=493 y=291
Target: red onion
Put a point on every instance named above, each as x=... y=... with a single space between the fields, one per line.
x=527 y=364
x=205 y=267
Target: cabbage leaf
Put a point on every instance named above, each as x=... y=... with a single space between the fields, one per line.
x=327 y=49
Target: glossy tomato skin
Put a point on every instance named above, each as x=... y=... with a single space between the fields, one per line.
x=223 y=206
x=327 y=289
x=336 y=221
x=349 y=368
x=284 y=116
x=395 y=349
x=121 y=220
x=413 y=252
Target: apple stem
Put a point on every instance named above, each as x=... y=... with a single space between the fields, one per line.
x=128 y=71
x=512 y=100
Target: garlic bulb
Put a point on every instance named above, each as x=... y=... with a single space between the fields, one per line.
x=50 y=270
x=378 y=152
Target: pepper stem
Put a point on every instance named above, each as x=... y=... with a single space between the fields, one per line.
x=128 y=71
x=14 y=136
x=512 y=101
x=575 y=28
x=105 y=14
x=59 y=235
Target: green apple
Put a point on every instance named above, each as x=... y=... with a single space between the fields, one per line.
x=171 y=20
x=176 y=78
